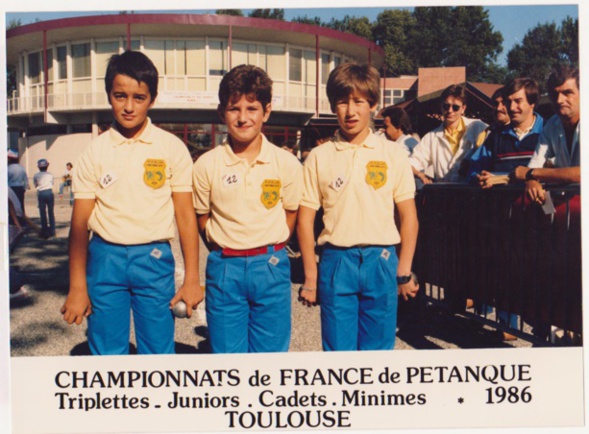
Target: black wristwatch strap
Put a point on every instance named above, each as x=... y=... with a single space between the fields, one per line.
x=530 y=175
x=401 y=280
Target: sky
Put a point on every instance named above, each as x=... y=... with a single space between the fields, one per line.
x=512 y=21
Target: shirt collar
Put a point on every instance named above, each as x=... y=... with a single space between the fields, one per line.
x=263 y=157
x=341 y=144
x=146 y=135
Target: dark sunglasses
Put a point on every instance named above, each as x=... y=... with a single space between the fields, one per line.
x=455 y=107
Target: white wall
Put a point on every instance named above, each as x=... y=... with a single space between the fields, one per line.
x=57 y=149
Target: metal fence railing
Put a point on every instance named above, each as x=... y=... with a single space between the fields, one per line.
x=498 y=249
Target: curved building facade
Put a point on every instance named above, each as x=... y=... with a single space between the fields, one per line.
x=60 y=67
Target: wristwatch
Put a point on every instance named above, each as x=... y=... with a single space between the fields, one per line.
x=530 y=175
x=402 y=280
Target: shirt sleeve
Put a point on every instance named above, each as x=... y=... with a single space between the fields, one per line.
x=84 y=179
x=405 y=184
x=542 y=153
x=292 y=190
x=181 y=180
x=311 y=197
x=201 y=187
x=421 y=157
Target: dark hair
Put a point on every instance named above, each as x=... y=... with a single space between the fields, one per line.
x=351 y=77
x=455 y=91
x=246 y=80
x=530 y=85
x=560 y=74
x=133 y=64
x=399 y=118
x=498 y=93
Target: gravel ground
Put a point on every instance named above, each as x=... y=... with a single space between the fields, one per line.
x=37 y=328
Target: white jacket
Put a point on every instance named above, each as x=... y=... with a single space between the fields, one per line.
x=434 y=150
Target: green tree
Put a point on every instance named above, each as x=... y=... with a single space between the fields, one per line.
x=455 y=36
x=13 y=23
x=543 y=47
x=390 y=32
x=233 y=12
x=359 y=26
x=275 y=14
x=315 y=21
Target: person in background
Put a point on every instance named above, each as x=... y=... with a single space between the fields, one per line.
x=447 y=145
x=43 y=181
x=398 y=128
x=17 y=177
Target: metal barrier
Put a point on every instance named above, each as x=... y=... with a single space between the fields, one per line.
x=498 y=249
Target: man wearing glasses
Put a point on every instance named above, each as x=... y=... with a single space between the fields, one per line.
x=447 y=145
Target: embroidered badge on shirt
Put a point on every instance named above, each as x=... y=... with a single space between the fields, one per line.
x=231 y=179
x=155 y=173
x=338 y=182
x=376 y=174
x=108 y=179
x=270 y=192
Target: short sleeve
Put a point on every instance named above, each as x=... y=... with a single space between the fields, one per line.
x=311 y=197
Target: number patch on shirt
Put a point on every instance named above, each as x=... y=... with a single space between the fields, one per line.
x=231 y=180
x=108 y=179
x=338 y=183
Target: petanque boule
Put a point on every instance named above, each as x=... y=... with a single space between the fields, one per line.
x=179 y=309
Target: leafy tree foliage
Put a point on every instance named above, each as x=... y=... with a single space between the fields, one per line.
x=315 y=21
x=275 y=14
x=359 y=26
x=13 y=23
x=233 y=12
x=390 y=31
x=455 y=36
x=543 y=47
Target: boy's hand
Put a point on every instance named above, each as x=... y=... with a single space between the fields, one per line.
x=192 y=295
x=408 y=289
x=76 y=307
x=308 y=296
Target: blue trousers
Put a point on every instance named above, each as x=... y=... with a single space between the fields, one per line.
x=46 y=202
x=358 y=298
x=121 y=279
x=248 y=302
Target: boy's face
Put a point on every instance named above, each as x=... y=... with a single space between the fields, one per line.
x=244 y=118
x=353 y=117
x=130 y=101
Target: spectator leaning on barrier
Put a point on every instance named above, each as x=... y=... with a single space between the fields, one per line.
x=398 y=128
x=446 y=146
x=508 y=146
x=557 y=158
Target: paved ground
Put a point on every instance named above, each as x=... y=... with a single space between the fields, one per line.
x=37 y=328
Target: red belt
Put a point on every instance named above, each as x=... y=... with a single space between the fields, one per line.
x=226 y=251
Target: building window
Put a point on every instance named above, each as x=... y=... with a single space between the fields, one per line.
x=104 y=51
x=35 y=68
x=272 y=60
x=295 y=71
x=62 y=62
x=393 y=96
x=50 y=65
x=217 y=58
x=195 y=58
x=324 y=68
x=154 y=49
x=81 y=60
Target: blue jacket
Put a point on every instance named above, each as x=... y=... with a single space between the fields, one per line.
x=502 y=151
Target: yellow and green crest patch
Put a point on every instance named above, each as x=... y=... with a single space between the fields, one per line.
x=270 y=192
x=155 y=173
x=376 y=174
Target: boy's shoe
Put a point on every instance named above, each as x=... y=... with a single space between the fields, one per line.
x=21 y=294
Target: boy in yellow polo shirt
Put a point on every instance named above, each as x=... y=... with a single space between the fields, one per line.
x=358 y=178
x=129 y=185
x=247 y=193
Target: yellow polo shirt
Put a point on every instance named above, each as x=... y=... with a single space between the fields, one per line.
x=357 y=186
x=132 y=181
x=246 y=202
